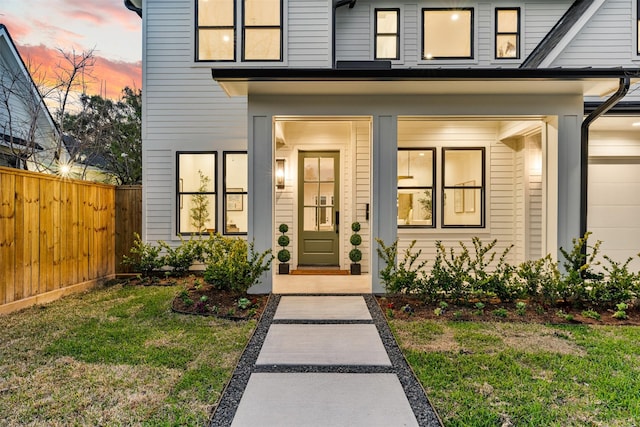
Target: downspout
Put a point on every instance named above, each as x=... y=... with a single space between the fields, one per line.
x=336 y=5
x=623 y=88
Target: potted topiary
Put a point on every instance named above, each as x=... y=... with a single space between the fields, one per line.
x=355 y=254
x=283 y=254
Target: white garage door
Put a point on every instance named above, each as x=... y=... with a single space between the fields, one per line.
x=614 y=207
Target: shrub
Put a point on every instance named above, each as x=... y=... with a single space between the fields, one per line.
x=617 y=287
x=145 y=258
x=403 y=277
x=235 y=265
x=355 y=227
x=355 y=239
x=450 y=273
x=284 y=255
x=355 y=255
x=181 y=258
x=283 y=240
x=540 y=279
x=578 y=275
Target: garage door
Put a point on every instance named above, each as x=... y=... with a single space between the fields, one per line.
x=614 y=207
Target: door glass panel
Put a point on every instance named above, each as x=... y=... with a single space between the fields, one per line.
x=311 y=169
x=326 y=194
x=310 y=194
x=325 y=216
x=326 y=169
x=310 y=218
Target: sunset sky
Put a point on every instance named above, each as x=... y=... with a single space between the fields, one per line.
x=40 y=27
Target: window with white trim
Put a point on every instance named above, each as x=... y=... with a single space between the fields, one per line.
x=387 y=29
x=196 y=192
x=507 y=33
x=447 y=33
x=235 y=187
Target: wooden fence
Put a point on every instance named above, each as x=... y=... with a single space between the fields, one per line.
x=56 y=236
x=128 y=221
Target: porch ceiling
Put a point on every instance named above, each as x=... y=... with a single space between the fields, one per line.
x=585 y=82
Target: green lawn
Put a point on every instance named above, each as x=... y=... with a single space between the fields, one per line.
x=114 y=356
x=493 y=374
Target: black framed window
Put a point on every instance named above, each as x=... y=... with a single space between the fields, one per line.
x=387 y=39
x=235 y=190
x=216 y=32
x=196 y=192
x=507 y=33
x=463 y=189
x=447 y=33
x=262 y=30
x=416 y=179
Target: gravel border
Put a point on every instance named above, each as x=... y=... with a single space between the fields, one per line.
x=222 y=415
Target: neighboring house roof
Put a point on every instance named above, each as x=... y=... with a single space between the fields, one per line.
x=134 y=5
x=559 y=36
x=12 y=58
x=83 y=155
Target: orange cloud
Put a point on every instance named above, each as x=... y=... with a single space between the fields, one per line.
x=106 y=77
x=115 y=10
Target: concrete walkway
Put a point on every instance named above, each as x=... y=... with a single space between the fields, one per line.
x=323 y=361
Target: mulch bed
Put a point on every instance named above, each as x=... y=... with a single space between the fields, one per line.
x=409 y=308
x=200 y=298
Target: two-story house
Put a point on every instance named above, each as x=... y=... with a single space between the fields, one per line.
x=428 y=120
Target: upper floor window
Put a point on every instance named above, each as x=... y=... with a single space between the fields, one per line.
x=447 y=33
x=507 y=33
x=196 y=192
x=463 y=187
x=387 y=40
x=216 y=30
x=262 y=28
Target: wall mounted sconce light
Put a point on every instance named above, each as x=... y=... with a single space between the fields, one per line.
x=280 y=174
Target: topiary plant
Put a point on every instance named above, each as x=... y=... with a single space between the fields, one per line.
x=283 y=254
x=355 y=254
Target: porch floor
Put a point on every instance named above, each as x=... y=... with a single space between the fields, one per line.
x=323 y=361
x=321 y=284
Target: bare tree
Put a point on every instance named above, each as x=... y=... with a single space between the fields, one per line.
x=30 y=133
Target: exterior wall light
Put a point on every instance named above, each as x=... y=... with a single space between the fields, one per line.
x=280 y=174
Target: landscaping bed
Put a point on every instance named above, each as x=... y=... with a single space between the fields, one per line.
x=405 y=307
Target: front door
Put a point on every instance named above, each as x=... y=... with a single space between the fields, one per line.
x=318 y=207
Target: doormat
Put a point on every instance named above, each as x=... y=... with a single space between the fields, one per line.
x=320 y=272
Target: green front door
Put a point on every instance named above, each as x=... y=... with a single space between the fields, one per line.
x=318 y=207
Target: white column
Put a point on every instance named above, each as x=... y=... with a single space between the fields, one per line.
x=385 y=177
x=261 y=188
x=568 y=180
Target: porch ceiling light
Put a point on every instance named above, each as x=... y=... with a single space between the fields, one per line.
x=280 y=174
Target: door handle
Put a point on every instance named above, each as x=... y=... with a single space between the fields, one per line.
x=337 y=222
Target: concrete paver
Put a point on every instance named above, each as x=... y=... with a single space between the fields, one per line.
x=322 y=308
x=323 y=399
x=343 y=344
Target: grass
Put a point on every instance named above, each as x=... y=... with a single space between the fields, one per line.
x=492 y=374
x=114 y=356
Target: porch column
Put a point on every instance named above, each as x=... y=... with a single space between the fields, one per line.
x=260 y=197
x=385 y=178
x=568 y=181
